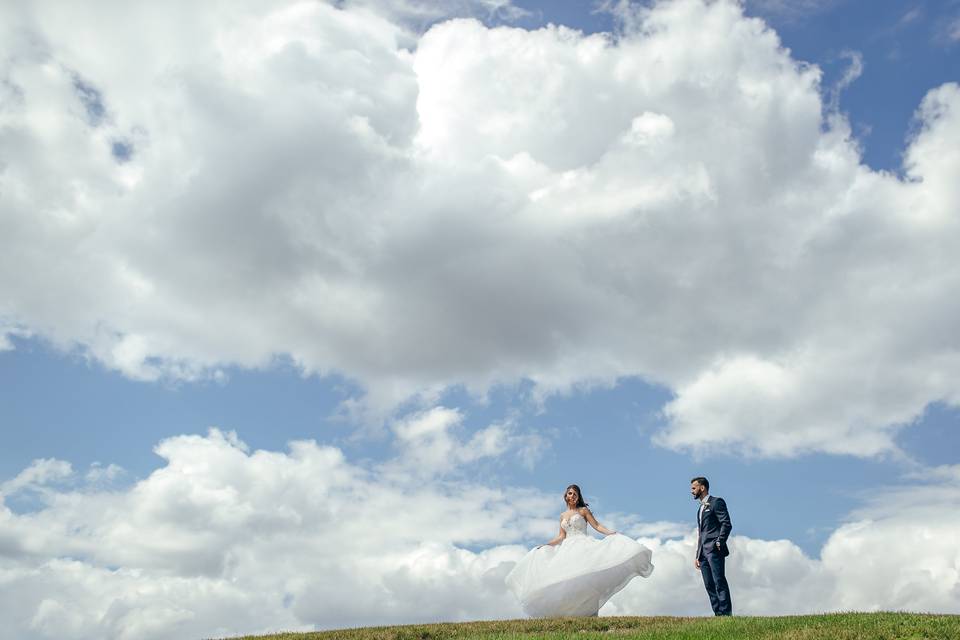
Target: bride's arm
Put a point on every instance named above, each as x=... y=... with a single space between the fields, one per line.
x=585 y=512
x=557 y=540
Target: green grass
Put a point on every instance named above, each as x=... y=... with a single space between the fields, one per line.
x=839 y=626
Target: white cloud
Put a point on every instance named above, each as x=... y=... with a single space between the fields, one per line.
x=791 y=10
x=475 y=206
x=853 y=71
x=429 y=445
x=98 y=474
x=420 y=14
x=911 y=16
x=223 y=540
x=946 y=29
x=39 y=474
x=8 y=331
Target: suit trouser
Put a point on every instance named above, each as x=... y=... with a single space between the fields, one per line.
x=715 y=580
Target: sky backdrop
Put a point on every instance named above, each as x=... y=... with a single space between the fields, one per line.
x=309 y=311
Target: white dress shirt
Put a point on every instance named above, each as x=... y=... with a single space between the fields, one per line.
x=703 y=504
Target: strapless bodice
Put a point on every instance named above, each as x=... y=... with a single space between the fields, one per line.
x=574 y=525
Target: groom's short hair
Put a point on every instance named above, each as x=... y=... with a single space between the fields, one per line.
x=703 y=481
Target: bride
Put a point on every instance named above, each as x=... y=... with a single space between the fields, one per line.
x=575 y=574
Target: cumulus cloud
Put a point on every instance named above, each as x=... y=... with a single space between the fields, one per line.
x=99 y=474
x=429 y=445
x=39 y=474
x=474 y=206
x=222 y=540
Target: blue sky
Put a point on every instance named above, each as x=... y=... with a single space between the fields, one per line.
x=65 y=407
x=486 y=258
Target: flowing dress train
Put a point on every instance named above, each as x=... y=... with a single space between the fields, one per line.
x=578 y=576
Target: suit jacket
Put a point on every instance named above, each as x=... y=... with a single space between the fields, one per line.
x=714 y=526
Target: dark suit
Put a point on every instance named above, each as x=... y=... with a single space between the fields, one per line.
x=713 y=529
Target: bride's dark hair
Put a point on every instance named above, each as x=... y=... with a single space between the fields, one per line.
x=580 y=502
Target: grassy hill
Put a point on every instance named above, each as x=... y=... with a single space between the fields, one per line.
x=841 y=626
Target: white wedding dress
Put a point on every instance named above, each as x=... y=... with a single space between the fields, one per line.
x=576 y=577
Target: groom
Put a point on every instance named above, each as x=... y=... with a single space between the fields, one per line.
x=713 y=529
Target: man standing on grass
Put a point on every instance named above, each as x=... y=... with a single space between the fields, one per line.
x=713 y=529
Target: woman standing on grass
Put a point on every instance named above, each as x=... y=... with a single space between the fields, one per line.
x=575 y=574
